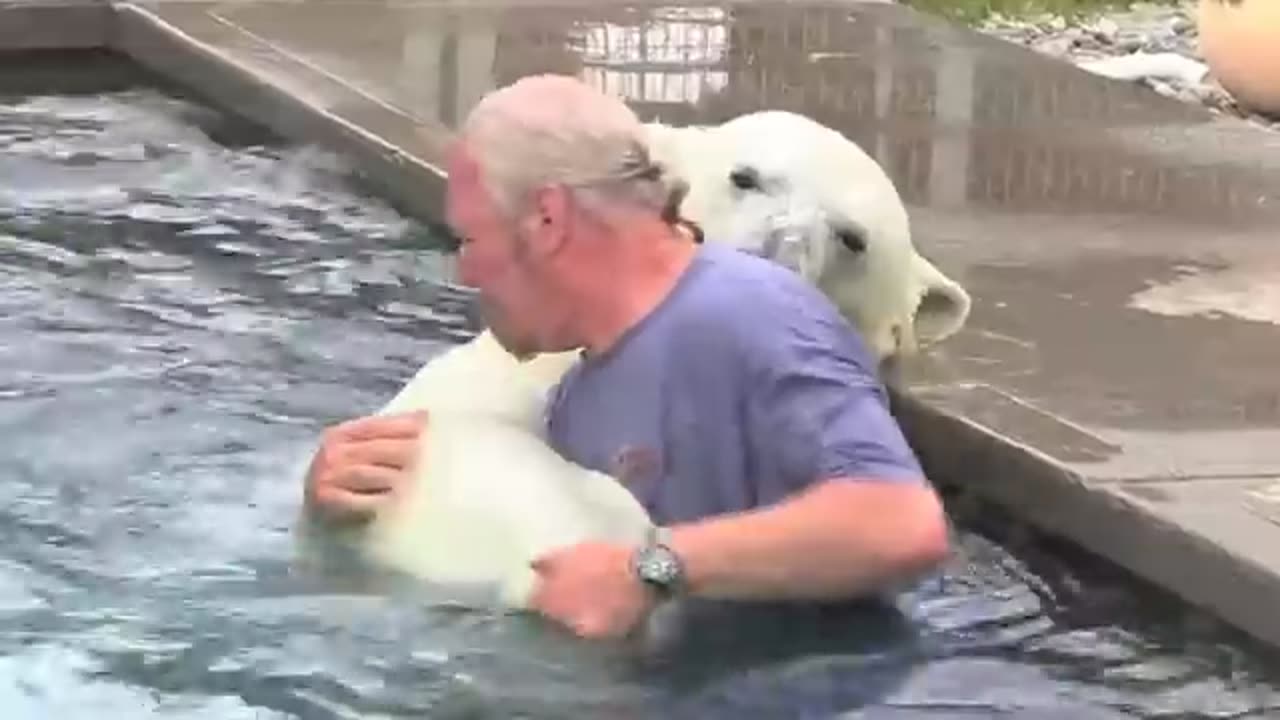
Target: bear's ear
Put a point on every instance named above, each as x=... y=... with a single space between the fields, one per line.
x=668 y=146
x=942 y=307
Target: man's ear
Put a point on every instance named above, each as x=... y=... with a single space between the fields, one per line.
x=547 y=223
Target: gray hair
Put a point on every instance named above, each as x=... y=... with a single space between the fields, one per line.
x=554 y=129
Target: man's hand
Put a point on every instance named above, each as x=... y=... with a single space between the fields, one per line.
x=591 y=589
x=361 y=462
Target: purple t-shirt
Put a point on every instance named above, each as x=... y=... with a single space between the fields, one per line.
x=742 y=387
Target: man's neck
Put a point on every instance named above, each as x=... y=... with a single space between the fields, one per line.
x=638 y=284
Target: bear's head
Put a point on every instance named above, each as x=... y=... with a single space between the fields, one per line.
x=785 y=187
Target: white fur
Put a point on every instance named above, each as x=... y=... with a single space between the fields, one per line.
x=489 y=495
x=814 y=180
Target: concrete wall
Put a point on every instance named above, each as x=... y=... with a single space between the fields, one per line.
x=54 y=24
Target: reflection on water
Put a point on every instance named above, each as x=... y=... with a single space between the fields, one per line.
x=180 y=318
x=689 y=44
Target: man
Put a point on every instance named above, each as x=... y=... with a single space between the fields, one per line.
x=724 y=391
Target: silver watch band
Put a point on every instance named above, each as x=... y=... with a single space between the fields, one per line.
x=658 y=535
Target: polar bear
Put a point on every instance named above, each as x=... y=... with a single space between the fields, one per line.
x=784 y=186
x=488 y=494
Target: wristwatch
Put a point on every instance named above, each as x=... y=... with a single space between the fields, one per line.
x=657 y=564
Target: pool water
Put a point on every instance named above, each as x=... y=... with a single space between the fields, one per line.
x=181 y=317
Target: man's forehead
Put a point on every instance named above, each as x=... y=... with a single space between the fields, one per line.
x=461 y=163
x=463 y=174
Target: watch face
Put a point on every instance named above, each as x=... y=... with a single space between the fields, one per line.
x=659 y=565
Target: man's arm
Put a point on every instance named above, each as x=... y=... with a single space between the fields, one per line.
x=854 y=513
x=840 y=538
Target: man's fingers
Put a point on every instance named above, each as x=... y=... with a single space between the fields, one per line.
x=367 y=480
x=359 y=490
x=543 y=593
x=403 y=425
x=392 y=453
x=537 y=595
x=361 y=461
x=593 y=626
x=358 y=503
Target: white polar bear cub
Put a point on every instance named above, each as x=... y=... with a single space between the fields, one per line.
x=783 y=186
x=489 y=494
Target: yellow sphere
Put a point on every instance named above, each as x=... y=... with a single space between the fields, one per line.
x=1240 y=42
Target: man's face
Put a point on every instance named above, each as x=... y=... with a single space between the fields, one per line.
x=494 y=258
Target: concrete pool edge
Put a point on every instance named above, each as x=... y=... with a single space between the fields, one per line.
x=1102 y=519
x=54 y=25
x=256 y=83
x=410 y=184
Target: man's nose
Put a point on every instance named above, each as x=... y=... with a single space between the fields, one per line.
x=464 y=269
x=467 y=276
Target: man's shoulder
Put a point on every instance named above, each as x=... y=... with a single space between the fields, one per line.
x=751 y=282
x=815 y=400
x=766 y=308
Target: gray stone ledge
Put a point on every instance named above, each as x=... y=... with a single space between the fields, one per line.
x=48 y=25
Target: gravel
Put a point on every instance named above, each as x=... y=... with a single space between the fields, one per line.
x=1158 y=42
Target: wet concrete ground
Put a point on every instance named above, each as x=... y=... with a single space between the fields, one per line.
x=1116 y=382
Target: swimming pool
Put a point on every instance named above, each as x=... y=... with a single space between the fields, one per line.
x=179 y=319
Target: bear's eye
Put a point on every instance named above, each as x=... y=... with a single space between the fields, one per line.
x=850 y=237
x=745 y=178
